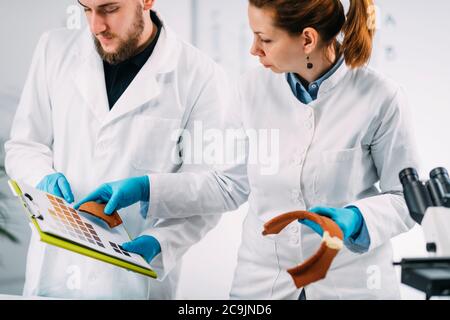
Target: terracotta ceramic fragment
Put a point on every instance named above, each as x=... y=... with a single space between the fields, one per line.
x=316 y=267
x=98 y=210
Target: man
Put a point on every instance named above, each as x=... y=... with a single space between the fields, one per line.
x=102 y=105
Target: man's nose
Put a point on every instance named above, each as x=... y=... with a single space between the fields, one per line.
x=97 y=24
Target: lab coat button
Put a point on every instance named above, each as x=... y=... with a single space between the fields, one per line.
x=294 y=229
x=297 y=160
x=101 y=146
x=300 y=153
x=294 y=240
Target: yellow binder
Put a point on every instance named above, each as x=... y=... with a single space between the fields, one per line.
x=60 y=225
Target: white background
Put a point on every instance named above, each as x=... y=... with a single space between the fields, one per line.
x=411 y=46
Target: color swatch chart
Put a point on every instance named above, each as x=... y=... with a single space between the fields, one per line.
x=61 y=220
x=69 y=222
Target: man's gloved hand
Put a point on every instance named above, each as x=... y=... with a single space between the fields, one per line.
x=350 y=220
x=57 y=184
x=146 y=246
x=120 y=194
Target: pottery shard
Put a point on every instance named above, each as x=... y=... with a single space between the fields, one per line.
x=98 y=210
x=316 y=267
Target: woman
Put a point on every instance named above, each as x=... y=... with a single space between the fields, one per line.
x=343 y=129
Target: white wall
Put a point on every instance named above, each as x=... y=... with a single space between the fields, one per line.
x=22 y=22
x=178 y=14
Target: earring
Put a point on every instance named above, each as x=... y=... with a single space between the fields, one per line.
x=309 y=65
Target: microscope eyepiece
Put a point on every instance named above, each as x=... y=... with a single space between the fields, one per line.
x=438 y=173
x=416 y=194
x=441 y=175
x=408 y=175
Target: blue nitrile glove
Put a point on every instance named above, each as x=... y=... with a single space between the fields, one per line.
x=119 y=194
x=349 y=219
x=146 y=246
x=57 y=185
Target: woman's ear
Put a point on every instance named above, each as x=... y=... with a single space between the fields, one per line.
x=148 y=4
x=311 y=38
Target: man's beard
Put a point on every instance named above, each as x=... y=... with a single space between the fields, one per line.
x=127 y=48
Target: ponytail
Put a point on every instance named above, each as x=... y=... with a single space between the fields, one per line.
x=359 y=31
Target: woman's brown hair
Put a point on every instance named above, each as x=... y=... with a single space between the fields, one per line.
x=328 y=18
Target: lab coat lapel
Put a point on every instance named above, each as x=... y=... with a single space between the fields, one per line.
x=142 y=89
x=145 y=87
x=89 y=78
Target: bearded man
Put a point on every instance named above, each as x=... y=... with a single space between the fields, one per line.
x=106 y=103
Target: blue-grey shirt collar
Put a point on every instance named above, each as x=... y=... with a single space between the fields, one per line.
x=306 y=96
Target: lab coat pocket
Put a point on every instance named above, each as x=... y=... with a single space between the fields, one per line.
x=156 y=148
x=336 y=176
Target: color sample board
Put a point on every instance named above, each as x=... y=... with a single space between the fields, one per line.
x=55 y=218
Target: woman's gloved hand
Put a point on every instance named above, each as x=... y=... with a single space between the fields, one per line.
x=120 y=194
x=146 y=246
x=349 y=219
x=57 y=185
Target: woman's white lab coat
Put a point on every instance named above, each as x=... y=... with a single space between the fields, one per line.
x=345 y=148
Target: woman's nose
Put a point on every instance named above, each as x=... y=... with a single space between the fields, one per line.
x=256 y=50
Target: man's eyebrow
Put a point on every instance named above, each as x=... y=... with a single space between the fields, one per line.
x=100 y=6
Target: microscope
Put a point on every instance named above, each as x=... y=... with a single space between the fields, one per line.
x=429 y=205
